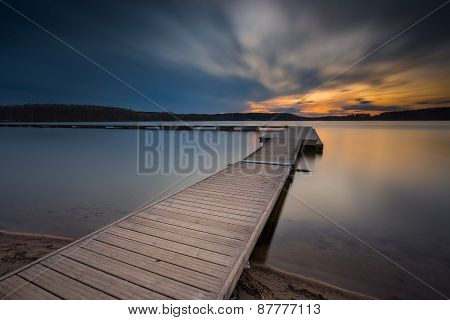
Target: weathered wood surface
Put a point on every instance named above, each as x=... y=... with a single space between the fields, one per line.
x=191 y=245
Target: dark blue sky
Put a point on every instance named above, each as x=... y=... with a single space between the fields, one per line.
x=227 y=56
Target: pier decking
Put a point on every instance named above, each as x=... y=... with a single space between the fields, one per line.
x=191 y=245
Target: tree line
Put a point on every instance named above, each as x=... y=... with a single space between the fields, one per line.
x=84 y=113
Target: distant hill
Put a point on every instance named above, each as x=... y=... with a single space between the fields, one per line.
x=442 y=113
x=84 y=113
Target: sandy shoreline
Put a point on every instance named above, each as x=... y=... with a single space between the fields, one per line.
x=19 y=249
x=258 y=282
x=265 y=283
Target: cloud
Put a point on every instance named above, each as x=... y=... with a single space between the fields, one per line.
x=363 y=101
x=219 y=56
x=293 y=47
x=279 y=45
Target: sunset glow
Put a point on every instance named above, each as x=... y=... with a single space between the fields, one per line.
x=305 y=57
x=413 y=89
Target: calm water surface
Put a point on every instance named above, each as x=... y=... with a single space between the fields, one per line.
x=70 y=182
x=386 y=183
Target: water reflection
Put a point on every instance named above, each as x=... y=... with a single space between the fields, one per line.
x=388 y=185
x=386 y=182
x=70 y=182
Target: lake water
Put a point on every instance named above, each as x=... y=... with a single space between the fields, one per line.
x=71 y=182
x=386 y=183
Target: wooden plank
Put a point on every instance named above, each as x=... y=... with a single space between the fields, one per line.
x=232 y=214
x=234 y=192
x=110 y=284
x=199 y=221
x=223 y=209
x=244 y=188
x=61 y=285
x=194 y=226
x=257 y=173
x=187 y=250
x=250 y=170
x=247 y=170
x=175 y=258
x=249 y=180
x=227 y=202
x=202 y=244
x=16 y=288
x=249 y=189
x=234 y=189
x=186 y=232
x=153 y=265
x=220 y=195
x=143 y=278
x=243 y=216
x=257 y=188
x=221 y=198
x=217 y=217
x=248 y=183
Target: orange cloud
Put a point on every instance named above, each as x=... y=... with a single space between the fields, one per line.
x=402 y=90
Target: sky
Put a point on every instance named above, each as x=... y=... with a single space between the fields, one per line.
x=305 y=57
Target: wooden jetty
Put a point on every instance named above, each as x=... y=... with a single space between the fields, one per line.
x=191 y=245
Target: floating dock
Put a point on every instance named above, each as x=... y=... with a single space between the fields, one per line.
x=191 y=245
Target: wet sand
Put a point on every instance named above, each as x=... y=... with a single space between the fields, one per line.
x=257 y=282
x=260 y=282
x=19 y=249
